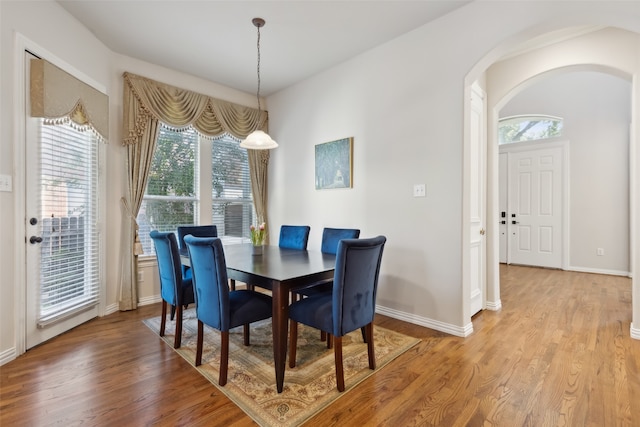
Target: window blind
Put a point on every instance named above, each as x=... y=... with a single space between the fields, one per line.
x=233 y=210
x=69 y=257
x=171 y=197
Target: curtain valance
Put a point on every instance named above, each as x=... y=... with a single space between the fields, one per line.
x=145 y=98
x=56 y=94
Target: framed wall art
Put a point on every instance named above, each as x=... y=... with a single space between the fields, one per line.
x=334 y=164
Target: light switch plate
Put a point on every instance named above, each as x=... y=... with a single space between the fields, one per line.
x=419 y=190
x=5 y=182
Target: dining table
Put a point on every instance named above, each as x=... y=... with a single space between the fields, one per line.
x=279 y=270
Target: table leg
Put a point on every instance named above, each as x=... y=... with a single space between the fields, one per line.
x=280 y=331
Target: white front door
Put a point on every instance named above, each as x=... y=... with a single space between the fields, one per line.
x=535 y=199
x=61 y=245
x=477 y=203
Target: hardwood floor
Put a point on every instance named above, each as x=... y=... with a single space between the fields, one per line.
x=557 y=353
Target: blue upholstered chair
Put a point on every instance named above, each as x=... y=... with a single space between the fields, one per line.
x=351 y=304
x=174 y=289
x=216 y=305
x=197 y=231
x=294 y=236
x=330 y=239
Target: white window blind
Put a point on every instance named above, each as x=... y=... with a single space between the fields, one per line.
x=171 y=198
x=231 y=189
x=69 y=257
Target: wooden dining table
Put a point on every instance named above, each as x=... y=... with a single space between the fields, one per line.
x=280 y=271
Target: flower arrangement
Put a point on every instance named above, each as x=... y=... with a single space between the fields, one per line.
x=258 y=234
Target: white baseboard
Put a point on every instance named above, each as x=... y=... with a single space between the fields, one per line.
x=150 y=300
x=600 y=271
x=7 y=356
x=634 y=332
x=110 y=309
x=437 y=325
x=494 y=305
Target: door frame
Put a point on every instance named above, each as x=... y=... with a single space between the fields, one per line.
x=526 y=146
x=21 y=45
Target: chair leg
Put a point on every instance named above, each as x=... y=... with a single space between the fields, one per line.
x=370 y=349
x=364 y=334
x=173 y=311
x=246 y=334
x=163 y=319
x=339 y=368
x=199 y=343
x=232 y=284
x=323 y=336
x=224 y=357
x=329 y=341
x=177 y=341
x=293 y=342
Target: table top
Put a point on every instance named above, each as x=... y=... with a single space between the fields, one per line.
x=275 y=263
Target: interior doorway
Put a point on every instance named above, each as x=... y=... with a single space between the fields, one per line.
x=502 y=88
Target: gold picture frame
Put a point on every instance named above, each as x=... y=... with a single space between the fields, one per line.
x=334 y=164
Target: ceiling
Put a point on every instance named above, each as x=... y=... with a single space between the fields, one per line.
x=216 y=40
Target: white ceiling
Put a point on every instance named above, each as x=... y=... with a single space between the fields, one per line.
x=215 y=40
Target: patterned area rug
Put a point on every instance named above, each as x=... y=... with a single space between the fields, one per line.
x=308 y=388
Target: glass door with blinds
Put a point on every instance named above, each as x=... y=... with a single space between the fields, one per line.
x=62 y=241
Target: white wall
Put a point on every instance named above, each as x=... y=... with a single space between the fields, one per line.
x=403 y=104
x=596 y=109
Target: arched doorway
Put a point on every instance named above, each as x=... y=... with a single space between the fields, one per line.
x=518 y=77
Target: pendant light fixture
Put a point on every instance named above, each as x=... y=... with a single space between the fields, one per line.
x=258 y=140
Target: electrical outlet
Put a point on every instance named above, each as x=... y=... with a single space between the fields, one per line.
x=419 y=190
x=600 y=251
x=5 y=183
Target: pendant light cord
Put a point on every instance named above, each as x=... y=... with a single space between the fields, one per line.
x=258 y=93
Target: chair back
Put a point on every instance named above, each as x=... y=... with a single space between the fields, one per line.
x=197 y=231
x=331 y=237
x=169 y=266
x=211 y=288
x=294 y=236
x=355 y=283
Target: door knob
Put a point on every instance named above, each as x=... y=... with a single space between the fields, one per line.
x=35 y=239
x=515 y=222
x=482 y=231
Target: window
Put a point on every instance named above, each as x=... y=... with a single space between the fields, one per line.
x=185 y=167
x=527 y=128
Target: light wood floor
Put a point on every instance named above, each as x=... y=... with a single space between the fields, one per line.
x=557 y=353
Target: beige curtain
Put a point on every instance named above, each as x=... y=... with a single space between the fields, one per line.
x=147 y=103
x=258 y=168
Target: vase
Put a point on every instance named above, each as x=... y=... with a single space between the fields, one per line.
x=256 y=250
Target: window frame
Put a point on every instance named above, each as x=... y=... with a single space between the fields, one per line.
x=522 y=118
x=203 y=198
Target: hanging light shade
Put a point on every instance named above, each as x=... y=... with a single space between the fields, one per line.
x=258 y=140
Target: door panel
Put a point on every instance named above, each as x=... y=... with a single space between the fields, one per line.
x=477 y=200
x=502 y=206
x=61 y=245
x=535 y=199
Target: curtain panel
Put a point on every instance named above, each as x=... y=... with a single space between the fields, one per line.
x=147 y=103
